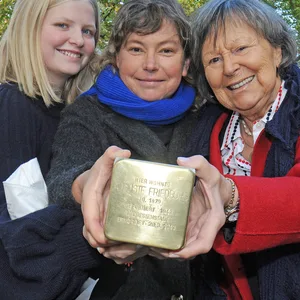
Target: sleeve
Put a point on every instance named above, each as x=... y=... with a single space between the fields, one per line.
x=44 y=256
x=80 y=140
x=18 y=127
x=271 y=218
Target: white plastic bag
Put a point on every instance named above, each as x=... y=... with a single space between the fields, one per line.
x=25 y=190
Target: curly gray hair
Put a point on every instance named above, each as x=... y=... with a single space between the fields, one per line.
x=207 y=20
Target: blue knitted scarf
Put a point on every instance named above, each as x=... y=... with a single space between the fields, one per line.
x=110 y=90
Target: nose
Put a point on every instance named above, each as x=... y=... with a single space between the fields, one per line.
x=230 y=65
x=76 y=38
x=150 y=62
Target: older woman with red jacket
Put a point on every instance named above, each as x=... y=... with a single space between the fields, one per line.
x=246 y=199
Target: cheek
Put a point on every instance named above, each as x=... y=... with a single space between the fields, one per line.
x=128 y=68
x=267 y=72
x=90 y=47
x=223 y=99
x=213 y=79
x=46 y=51
x=51 y=42
x=122 y=61
x=175 y=71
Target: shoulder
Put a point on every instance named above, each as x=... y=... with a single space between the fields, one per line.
x=23 y=115
x=12 y=99
x=11 y=95
x=86 y=106
x=206 y=115
x=15 y=106
x=292 y=80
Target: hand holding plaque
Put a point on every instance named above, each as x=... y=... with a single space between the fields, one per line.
x=206 y=216
x=149 y=203
x=92 y=188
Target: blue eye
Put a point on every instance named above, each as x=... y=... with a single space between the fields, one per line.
x=61 y=25
x=88 y=32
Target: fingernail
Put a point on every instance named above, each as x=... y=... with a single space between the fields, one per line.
x=182 y=158
x=173 y=255
x=100 y=250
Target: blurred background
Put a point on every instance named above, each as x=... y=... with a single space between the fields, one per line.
x=289 y=9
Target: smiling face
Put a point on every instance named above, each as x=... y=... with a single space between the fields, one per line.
x=152 y=65
x=240 y=67
x=67 y=39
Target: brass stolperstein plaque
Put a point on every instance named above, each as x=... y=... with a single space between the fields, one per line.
x=149 y=203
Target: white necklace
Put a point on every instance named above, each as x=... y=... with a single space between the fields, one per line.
x=246 y=128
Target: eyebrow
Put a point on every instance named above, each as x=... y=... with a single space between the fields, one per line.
x=167 y=41
x=210 y=53
x=64 y=19
x=230 y=43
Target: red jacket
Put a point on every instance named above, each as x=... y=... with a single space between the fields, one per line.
x=263 y=221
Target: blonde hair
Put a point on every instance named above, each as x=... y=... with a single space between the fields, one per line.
x=21 y=58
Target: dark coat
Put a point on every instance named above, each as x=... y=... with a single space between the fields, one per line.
x=44 y=255
x=27 y=129
x=86 y=130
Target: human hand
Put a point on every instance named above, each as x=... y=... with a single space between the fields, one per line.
x=206 y=215
x=124 y=253
x=94 y=196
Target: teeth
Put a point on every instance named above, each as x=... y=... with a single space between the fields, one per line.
x=240 y=84
x=67 y=53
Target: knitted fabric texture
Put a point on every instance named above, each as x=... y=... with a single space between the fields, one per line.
x=111 y=91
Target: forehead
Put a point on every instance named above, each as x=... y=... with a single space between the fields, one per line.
x=230 y=32
x=78 y=10
x=166 y=32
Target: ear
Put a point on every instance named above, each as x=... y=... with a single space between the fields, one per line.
x=117 y=61
x=277 y=56
x=185 y=68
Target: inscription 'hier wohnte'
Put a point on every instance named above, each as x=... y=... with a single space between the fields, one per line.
x=149 y=211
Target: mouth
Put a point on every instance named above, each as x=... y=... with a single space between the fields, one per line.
x=150 y=83
x=150 y=80
x=70 y=53
x=240 y=84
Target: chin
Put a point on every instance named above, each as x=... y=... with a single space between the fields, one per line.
x=148 y=98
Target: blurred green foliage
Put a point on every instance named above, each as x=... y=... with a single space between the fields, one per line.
x=289 y=9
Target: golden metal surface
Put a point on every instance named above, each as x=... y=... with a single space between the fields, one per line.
x=149 y=203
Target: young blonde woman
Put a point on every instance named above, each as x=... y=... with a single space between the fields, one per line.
x=44 y=64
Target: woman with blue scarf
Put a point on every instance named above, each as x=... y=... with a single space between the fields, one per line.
x=140 y=102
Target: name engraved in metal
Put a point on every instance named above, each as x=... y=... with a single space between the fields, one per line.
x=149 y=203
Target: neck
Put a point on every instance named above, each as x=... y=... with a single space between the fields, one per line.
x=57 y=83
x=247 y=126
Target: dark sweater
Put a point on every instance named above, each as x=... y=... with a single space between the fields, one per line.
x=44 y=256
x=86 y=130
x=27 y=129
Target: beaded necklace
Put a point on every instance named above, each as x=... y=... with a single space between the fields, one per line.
x=246 y=128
